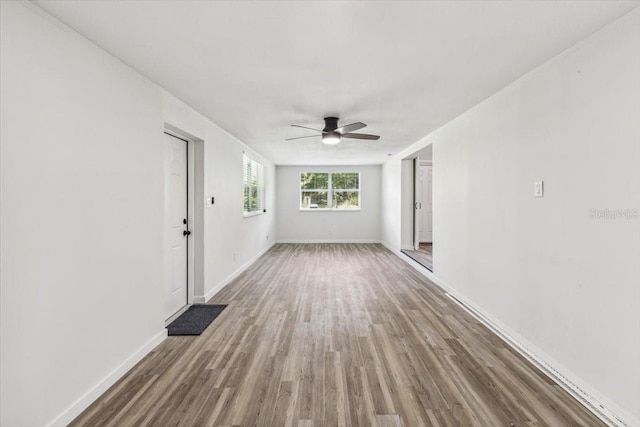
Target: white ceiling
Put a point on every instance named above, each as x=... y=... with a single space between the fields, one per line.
x=404 y=68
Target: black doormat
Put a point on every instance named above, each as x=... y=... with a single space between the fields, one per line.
x=195 y=320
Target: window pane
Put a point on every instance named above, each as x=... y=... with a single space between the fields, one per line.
x=346 y=180
x=253 y=180
x=254 y=197
x=346 y=200
x=313 y=199
x=314 y=181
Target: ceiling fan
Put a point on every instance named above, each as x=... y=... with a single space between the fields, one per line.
x=332 y=134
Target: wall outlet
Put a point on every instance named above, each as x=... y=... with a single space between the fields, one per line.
x=267 y=237
x=538 y=189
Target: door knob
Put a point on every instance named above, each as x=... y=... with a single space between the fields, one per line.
x=186 y=233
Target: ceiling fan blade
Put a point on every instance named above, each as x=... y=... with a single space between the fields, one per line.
x=300 y=137
x=304 y=127
x=350 y=128
x=360 y=136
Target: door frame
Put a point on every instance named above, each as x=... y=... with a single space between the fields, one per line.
x=191 y=209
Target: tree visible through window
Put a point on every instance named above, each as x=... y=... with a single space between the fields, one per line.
x=253 y=186
x=322 y=190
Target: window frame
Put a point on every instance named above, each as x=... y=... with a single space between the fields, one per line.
x=260 y=186
x=329 y=192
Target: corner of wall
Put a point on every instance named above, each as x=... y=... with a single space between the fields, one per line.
x=202 y=299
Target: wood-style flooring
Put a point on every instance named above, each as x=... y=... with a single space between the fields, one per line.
x=336 y=335
x=424 y=255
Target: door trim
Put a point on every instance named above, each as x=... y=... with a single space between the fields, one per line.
x=175 y=315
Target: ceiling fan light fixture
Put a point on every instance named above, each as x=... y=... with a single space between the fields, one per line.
x=332 y=134
x=331 y=139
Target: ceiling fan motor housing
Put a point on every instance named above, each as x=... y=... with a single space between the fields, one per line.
x=330 y=124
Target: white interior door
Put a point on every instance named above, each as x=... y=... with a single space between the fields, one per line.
x=176 y=231
x=417 y=203
x=426 y=211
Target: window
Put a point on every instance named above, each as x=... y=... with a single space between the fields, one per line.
x=253 y=178
x=332 y=191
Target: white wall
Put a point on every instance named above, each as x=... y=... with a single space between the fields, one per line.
x=328 y=226
x=542 y=268
x=226 y=230
x=391 y=203
x=81 y=216
x=81 y=220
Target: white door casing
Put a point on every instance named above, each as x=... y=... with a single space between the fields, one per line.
x=176 y=217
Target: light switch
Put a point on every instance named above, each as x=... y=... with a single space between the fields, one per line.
x=538 y=189
x=208 y=202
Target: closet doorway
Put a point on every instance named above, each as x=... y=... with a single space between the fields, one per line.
x=418 y=215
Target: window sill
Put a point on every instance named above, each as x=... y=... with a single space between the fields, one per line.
x=329 y=210
x=254 y=213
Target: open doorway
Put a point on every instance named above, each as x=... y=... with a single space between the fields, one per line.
x=417 y=207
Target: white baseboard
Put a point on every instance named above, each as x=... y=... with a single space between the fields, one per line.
x=177 y=314
x=599 y=405
x=96 y=391
x=329 y=241
x=203 y=299
x=392 y=249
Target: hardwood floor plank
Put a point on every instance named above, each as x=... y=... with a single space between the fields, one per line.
x=283 y=414
x=336 y=335
x=388 y=421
